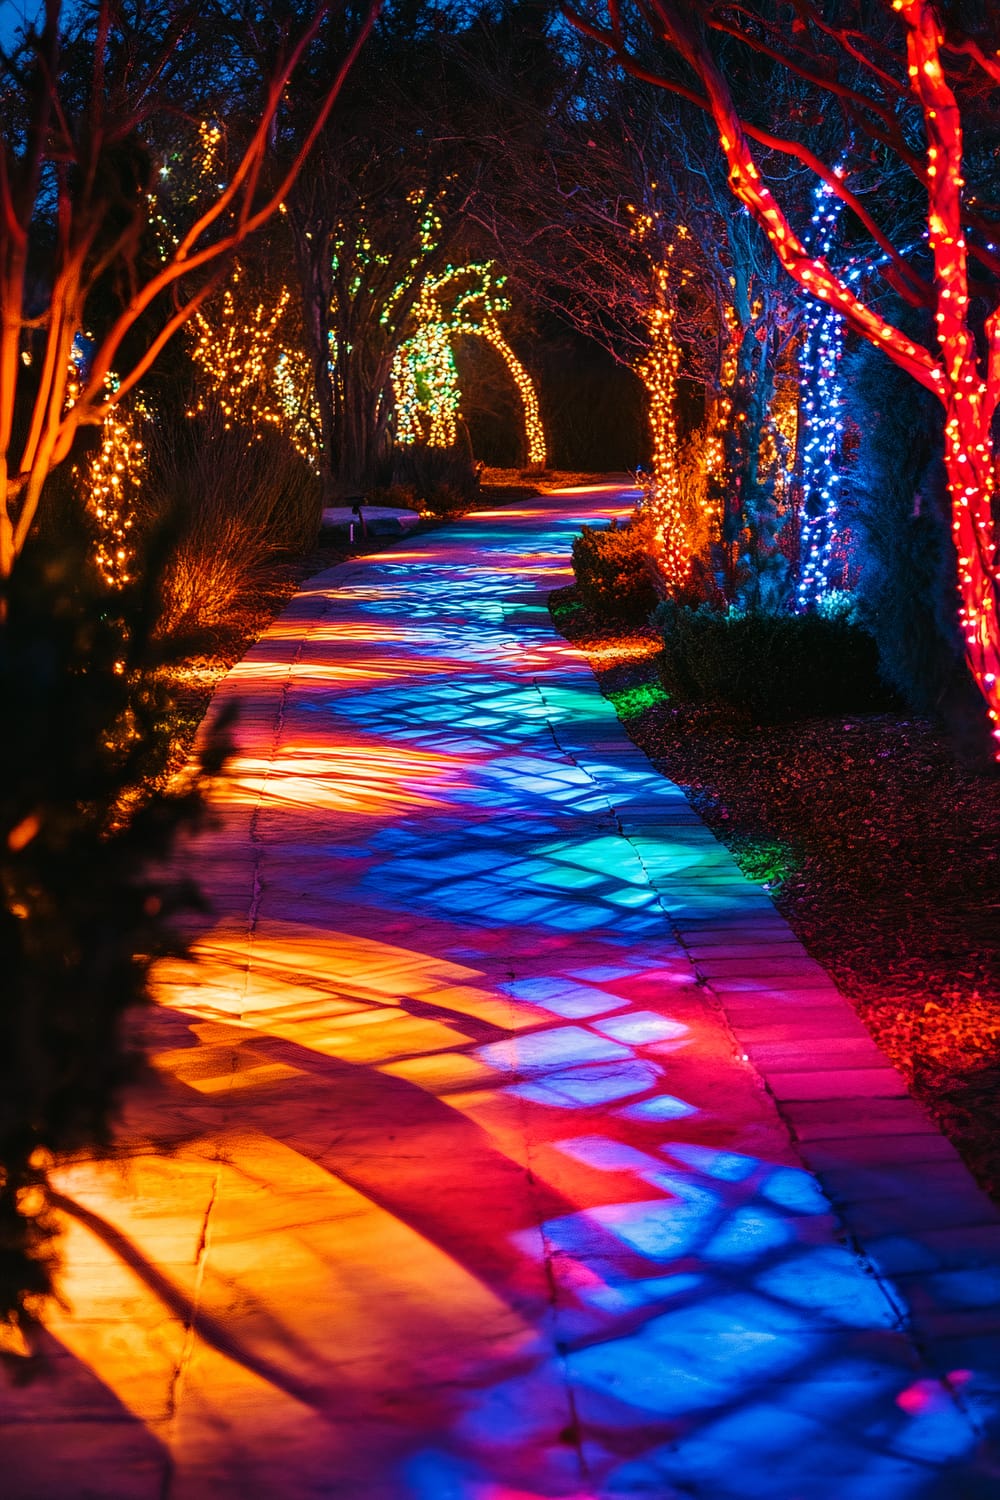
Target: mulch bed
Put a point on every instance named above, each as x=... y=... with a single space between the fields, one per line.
x=881 y=852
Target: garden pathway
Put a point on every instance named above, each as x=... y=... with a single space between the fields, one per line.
x=503 y=1143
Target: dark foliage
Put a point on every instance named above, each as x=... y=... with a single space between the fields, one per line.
x=772 y=667
x=593 y=407
x=82 y=915
x=613 y=572
x=221 y=504
x=444 y=479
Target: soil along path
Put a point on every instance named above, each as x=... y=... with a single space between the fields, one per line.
x=504 y=1144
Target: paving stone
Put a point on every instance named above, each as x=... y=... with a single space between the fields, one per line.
x=933 y=1248
x=874 y=1218
x=818 y=1119
x=813 y=1055
x=877 y=1150
x=816 y=1024
x=943 y=1182
x=837 y=1083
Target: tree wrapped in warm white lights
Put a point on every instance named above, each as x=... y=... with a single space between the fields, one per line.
x=658 y=369
x=896 y=75
x=111 y=481
x=251 y=363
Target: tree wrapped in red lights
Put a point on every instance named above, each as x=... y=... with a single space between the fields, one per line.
x=893 y=72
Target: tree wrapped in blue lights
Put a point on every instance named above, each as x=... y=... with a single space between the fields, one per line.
x=821 y=414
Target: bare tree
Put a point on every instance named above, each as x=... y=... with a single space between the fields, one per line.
x=66 y=203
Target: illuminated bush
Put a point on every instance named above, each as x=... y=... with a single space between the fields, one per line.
x=772 y=667
x=613 y=572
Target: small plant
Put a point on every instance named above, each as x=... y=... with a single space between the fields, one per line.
x=768 y=861
x=629 y=703
x=393 y=496
x=613 y=570
x=772 y=667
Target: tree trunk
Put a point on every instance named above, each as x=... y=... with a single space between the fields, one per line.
x=312 y=254
x=970 y=465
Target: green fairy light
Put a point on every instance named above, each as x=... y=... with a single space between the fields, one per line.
x=462 y=300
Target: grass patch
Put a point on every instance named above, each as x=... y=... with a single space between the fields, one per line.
x=630 y=702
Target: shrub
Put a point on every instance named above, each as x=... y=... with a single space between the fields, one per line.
x=444 y=479
x=393 y=496
x=222 y=505
x=773 y=667
x=613 y=571
x=83 y=914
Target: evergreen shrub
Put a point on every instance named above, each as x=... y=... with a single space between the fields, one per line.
x=83 y=915
x=394 y=496
x=772 y=667
x=613 y=573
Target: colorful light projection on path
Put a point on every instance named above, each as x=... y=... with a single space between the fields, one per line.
x=462 y=300
x=452 y=1181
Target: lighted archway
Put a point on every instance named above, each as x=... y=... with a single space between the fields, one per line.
x=425 y=376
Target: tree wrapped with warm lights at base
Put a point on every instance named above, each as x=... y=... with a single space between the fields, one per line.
x=911 y=81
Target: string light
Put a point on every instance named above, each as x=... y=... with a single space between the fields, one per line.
x=658 y=370
x=534 y=432
x=822 y=410
x=257 y=374
x=210 y=141
x=715 y=445
x=112 y=478
x=462 y=300
x=425 y=376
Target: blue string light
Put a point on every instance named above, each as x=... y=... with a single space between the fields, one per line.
x=822 y=419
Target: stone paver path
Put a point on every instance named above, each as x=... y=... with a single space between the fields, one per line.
x=504 y=1143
